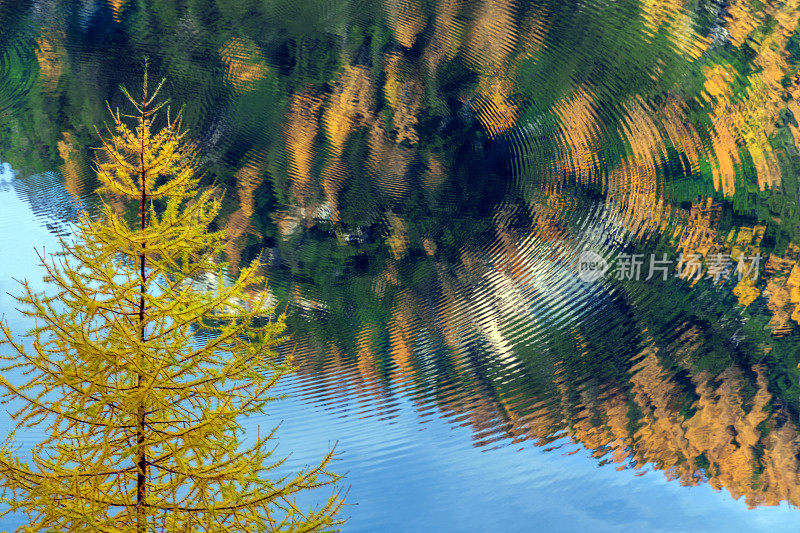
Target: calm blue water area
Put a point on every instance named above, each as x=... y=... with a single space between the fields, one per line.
x=406 y=475
x=412 y=476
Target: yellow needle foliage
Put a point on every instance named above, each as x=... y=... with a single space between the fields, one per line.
x=139 y=379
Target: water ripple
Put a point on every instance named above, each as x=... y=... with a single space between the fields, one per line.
x=423 y=182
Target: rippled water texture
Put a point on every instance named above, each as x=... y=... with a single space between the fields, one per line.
x=517 y=241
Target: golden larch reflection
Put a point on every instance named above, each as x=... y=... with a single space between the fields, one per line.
x=244 y=63
x=750 y=118
x=783 y=289
x=349 y=103
x=494 y=106
x=116 y=8
x=699 y=234
x=682 y=133
x=401 y=336
x=406 y=20
x=675 y=17
x=397 y=240
x=301 y=133
x=741 y=19
x=633 y=187
x=446 y=37
x=367 y=362
x=493 y=34
x=239 y=225
x=71 y=168
x=746 y=243
x=50 y=56
x=579 y=135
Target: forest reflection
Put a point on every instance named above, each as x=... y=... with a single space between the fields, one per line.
x=420 y=179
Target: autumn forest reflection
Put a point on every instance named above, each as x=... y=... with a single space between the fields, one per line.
x=421 y=178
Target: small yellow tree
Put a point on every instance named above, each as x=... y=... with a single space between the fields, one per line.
x=141 y=380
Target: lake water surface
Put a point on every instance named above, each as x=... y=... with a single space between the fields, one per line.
x=540 y=259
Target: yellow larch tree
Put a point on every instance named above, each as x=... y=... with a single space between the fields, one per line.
x=140 y=380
